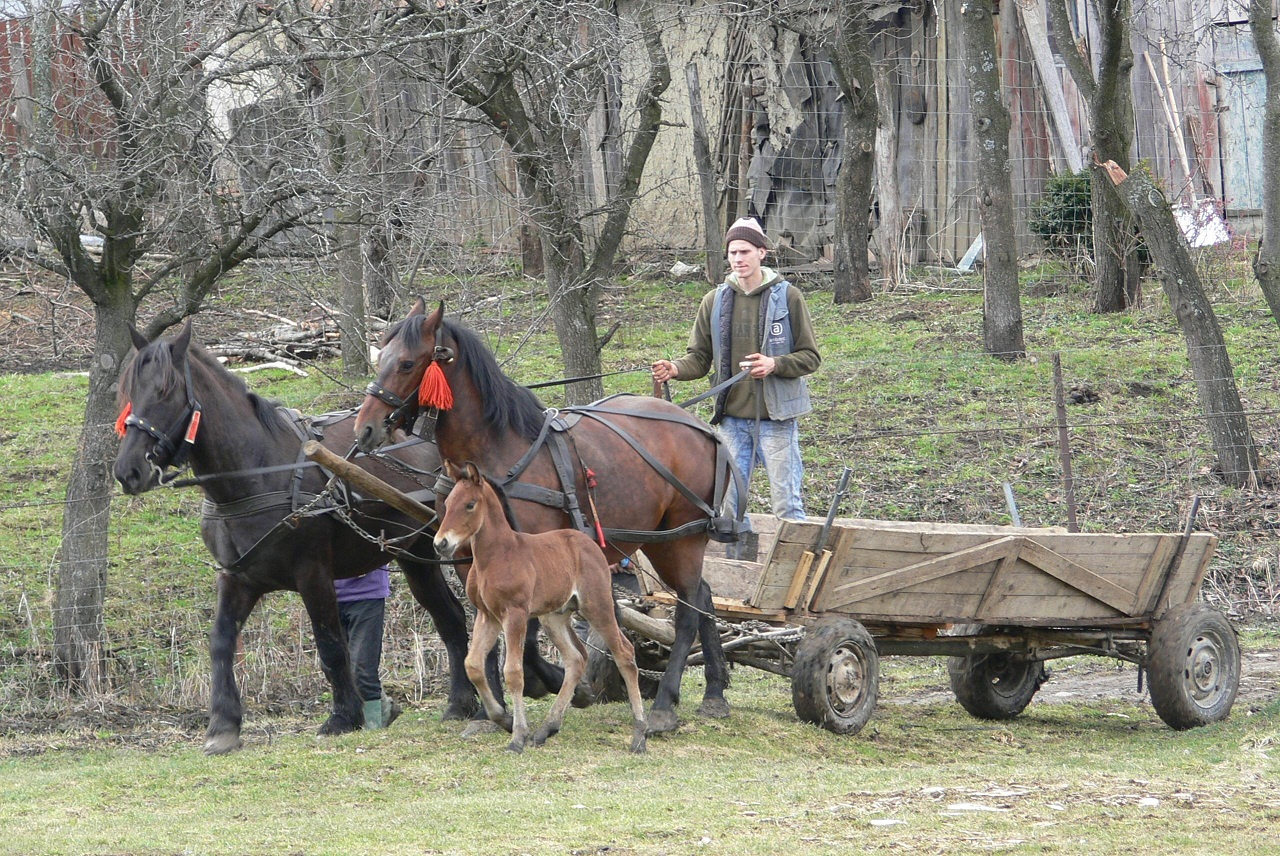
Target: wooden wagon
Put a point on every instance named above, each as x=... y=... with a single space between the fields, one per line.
x=999 y=601
x=831 y=597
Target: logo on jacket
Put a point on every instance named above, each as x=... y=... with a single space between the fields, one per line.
x=776 y=329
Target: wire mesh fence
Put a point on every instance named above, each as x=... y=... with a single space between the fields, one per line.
x=941 y=448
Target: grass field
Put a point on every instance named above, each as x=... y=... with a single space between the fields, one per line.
x=932 y=430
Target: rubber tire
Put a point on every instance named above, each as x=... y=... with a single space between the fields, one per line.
x=994 y=686
x=1193 y=666
x=602 y=674
x=836 y=676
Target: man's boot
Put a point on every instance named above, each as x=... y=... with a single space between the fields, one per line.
x=390 y=711
x=373 y=719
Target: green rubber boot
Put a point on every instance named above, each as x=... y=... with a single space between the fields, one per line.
x=373 y=715
x=390 y=712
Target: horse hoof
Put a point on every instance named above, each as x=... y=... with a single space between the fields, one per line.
x=662 y=722
x=716 y=708
x=336 y=725
x=583 y=696
x=515 y=747
x=476 y=727
x=455 y=713
x=221 y=744
x=542 y=735
x=638 y=745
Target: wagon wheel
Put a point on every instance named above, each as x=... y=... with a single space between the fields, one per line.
x=1193 y=666
x=602 y=674
x=836 y=676
x=994 y=686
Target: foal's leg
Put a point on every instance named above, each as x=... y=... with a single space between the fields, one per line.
x=483 y=637
x=624 y=655
x=235 y=602
x=515 y=623
x=559 y=626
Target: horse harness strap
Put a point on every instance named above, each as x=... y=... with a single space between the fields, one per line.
x=553 y=435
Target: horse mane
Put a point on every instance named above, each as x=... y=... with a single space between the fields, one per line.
x=170 y=379
x=507 y=405
x=505 y=501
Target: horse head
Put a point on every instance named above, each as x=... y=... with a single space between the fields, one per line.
x=409 y=349
x=159 y=412
x=465 y=509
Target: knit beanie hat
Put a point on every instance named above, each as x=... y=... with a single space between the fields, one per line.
x=747 y=229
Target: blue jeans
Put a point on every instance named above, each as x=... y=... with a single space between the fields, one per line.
x=778 y=451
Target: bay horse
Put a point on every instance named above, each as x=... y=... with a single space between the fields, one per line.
x=255 y=520
x=515 y=576
x=666 y=489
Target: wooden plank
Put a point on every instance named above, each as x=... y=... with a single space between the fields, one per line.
x=727 y=608
x=841 y=544
x=921 y=572
x=815 y=586
x=798 y=580
x=1078 y=576
x=731 y=578
x=1153 y=575
x=997 y=585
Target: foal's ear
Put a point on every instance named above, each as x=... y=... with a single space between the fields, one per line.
x=182 y=341
x=471 y=472
x=139 y=340
x=450 y=470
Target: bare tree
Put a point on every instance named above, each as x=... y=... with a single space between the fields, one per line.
x=120 y=140
x=535 y=72
x=858 y=121
x=1206 y=348
x=1266 y=265
x=1001 y=307
x=1119 y=266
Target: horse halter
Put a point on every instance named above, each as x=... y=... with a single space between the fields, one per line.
x=405 y=412
x=168 y=451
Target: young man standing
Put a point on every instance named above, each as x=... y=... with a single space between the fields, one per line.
x=755 y=320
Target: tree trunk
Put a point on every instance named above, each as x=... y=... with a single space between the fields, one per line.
x=1001 y=309
x=1207 y=350
x=380 y=271
x=855 y=75
x=713 y=232
x=1266 y=265
x=78 y=631
x=891 y=246
x=352 y=324
x=1116 y=251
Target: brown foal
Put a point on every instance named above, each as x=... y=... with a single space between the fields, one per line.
x=517 y=576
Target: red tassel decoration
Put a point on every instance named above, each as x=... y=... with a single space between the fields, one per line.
x=434 y=391
x=124 y=414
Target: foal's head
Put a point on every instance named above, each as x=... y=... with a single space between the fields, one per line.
x=466 y=509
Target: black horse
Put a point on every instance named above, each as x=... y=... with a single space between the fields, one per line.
x=270 y=522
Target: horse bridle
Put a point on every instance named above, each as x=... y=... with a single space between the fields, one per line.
x=168 y=451
x=405 y=412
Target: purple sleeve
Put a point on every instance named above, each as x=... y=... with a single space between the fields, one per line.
x=371 y=586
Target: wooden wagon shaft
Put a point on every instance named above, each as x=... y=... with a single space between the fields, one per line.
x=367 y=483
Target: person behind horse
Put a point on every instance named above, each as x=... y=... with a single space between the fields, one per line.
x=516 y=576
x=755 y=320
x=362 y=608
